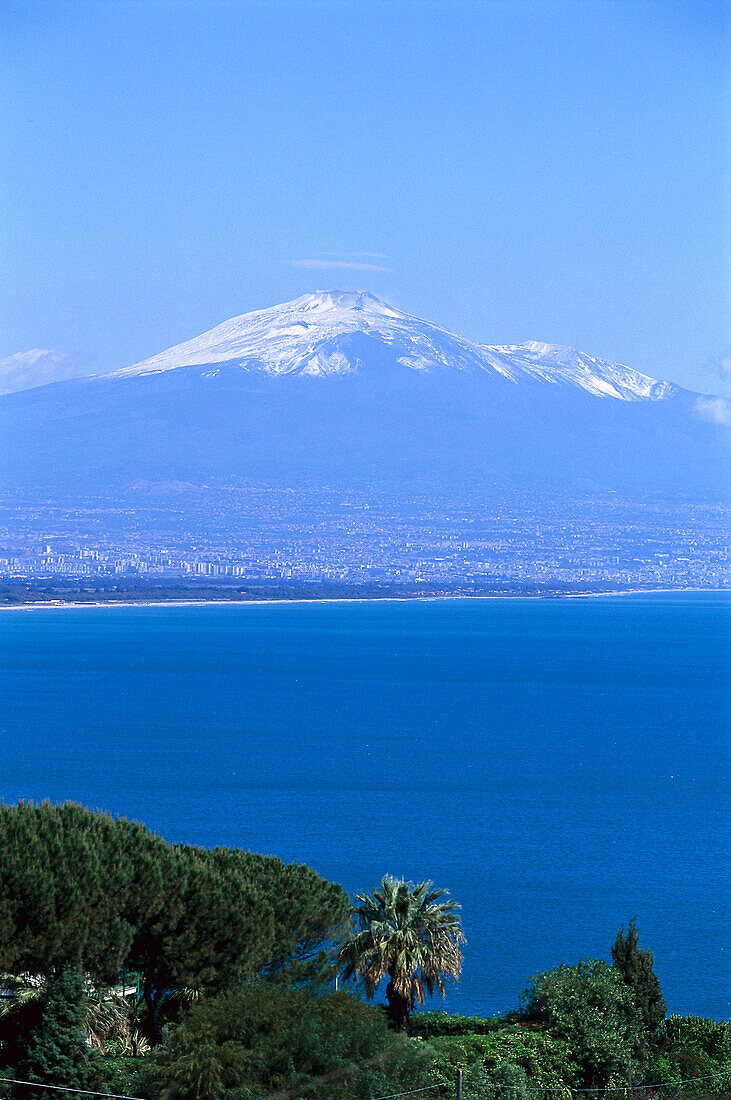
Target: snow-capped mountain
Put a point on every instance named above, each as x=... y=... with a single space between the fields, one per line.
x=306 y=337
x=339 y=389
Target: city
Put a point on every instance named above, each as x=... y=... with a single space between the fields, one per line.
x=239 y=541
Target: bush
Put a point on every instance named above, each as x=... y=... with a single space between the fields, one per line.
x=267 y=1037
x=547 y=1060
x=507 y=1081
x=594 y=1011
x=688 y=1047
x=427 y=1025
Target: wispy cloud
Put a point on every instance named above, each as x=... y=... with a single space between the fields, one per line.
x=715 y=409
x=27 y=369
x=357 y=255
x=344 y=261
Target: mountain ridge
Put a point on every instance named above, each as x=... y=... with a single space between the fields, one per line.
x=342 y=390
x=304 y=337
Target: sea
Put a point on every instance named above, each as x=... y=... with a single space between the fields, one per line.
x=559 y=765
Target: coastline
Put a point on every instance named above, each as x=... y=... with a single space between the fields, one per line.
x=73 y=605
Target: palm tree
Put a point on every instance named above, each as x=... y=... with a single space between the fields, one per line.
x=408 y=933
x=107 y=1013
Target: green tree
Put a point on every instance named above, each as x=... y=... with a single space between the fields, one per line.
x=591 y=1007
x=309 y=912
x=107 y=1015
x=409 y=934
x=65 y=876
x=212 y=930
x=57 y=1051
x=636 y=967
x=229 y=915
x=82 y=889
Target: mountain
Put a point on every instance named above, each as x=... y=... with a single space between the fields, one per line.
x=313 y=336
x=341 y=389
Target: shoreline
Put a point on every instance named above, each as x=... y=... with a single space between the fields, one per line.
x=71 y=605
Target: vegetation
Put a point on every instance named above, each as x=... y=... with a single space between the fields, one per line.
x=56 y=1047
x=591 y=1007
x=283 y=1040
x=636 y=967
x=84 y=890
x=408 y=934
x=234 y=956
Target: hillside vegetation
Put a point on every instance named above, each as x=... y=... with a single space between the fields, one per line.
x=144 y=969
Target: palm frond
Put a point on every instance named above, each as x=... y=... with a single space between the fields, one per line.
x=410 y=932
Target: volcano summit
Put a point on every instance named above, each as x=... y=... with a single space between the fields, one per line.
x=341 y=389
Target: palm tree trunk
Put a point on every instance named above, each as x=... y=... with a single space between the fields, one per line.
x=152 y=1022
x=398 y=1008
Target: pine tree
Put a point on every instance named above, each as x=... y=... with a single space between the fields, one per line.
x=82 y=889
x=636 y=967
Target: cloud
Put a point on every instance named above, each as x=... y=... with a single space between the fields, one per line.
x=723 y=364
x=320 y=264
x=715 y=409
x=357 y=255
x=716 y=372
x=27 y=369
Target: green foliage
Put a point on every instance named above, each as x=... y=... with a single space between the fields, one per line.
x=507 y=1082
x=83 y=889
x=547 y=1060
x=63 y=872
x=308 y=912
x=428 y=1025
x=57 y=1051
x=591 y=1007
x=107 y=1020
x=213 y=929
x=122 y=1073
x=689 y=1047
x=636 y=967
x=267 y=1037
x=410 y=935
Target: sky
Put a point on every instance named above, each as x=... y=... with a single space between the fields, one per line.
x=509 y=169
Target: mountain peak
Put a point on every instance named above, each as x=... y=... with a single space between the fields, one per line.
x=337 y=332
x=323 y=300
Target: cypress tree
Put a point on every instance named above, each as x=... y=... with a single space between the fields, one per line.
x=636 y=967
x=57 y=1051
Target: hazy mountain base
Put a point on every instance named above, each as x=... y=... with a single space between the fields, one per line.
x=387 y=429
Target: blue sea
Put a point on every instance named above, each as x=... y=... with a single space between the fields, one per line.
x=559 y=765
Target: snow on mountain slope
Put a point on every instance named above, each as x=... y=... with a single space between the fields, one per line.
x=308 y=336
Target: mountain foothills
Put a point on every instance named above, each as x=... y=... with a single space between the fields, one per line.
x=341 y=389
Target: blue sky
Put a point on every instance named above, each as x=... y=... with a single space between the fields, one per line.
x=534 y=169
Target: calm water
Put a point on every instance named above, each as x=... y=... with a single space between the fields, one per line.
x=559 y=765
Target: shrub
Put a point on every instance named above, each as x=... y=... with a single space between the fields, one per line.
x=591 y=1008
x=428 y=1025
x=547 y=1060
x=688 y=1047
x=266 y=1037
